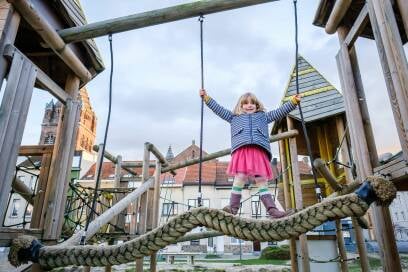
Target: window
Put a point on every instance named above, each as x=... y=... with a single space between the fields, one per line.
x=29 y=211
x=211 y=242
x=255 y=206
x=192 y=203
x=15 y=207
x=230 y=179
x=403 y=215
x=235 y=241
x=195 y=242
x=49 y=139
x=169 y=209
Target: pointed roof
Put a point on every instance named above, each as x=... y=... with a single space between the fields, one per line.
x=169 y=155
x=320 y=98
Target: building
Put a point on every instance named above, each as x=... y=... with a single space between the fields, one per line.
x=179 y=194
x=87 y=125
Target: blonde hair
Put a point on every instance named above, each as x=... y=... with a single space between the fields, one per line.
x=248 y=97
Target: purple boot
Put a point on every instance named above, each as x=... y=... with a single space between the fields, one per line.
x=235 y=203
x=271 y=207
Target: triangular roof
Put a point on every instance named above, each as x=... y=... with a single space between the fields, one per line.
x=320 y=98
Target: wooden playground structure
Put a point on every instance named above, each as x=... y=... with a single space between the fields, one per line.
x=49 y=46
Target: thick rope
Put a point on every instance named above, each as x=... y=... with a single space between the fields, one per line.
x=355 y=204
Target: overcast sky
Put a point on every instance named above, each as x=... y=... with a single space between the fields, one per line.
x=157 y=74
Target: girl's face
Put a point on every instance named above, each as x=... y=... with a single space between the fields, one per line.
x=248 y=106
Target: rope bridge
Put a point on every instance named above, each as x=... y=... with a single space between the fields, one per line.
x=27 y=248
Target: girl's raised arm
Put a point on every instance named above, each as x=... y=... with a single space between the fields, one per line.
x=216 y=108
x=282 y=111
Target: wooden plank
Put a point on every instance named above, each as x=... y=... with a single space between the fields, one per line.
x=37 y=218
x=42 y=79
x=394 y=65
x=35 y=150
x=156 y=208
x=13 y=115
x=358 y=27
x=62 y=161
x=298 y=195
x=154 y=17
x=143 y=215
x=287 y=197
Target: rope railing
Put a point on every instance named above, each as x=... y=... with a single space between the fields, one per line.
x=26 y=248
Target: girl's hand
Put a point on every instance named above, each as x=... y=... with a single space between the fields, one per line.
x=298 y=97
x=203 y=93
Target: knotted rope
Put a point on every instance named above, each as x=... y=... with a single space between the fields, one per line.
x=27 y=248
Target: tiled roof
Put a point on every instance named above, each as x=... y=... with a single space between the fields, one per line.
x=213 y=172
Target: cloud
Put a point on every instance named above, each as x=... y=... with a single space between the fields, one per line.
x=157 y=73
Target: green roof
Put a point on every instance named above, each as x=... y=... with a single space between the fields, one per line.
x=320 y=98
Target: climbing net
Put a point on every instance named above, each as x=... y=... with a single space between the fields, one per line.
x=19 y=210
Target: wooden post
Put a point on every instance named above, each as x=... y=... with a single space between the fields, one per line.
x=339 y=10
x=367 y=157
x=361 y=245
x=61 y=164
x=394 y=63
x=8 y=34
x=156 y=209
x=154 y=17
x=143 y=202
x=37 y=218
x=298 y=195
x=120 y=219
x=13 y=114
x=288 y=202
x=403 y=9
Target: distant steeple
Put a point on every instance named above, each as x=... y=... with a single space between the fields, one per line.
x=169 y=155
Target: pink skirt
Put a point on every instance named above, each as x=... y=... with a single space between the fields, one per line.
x=250 y=160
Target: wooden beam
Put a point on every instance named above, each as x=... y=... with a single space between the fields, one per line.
x=20 y=188
x=60 y=171
x=13 y=115
x=288 y=134
x=9 y=234
x=323 y=170
x=40 y=24
x=42 y=79
x=156 y=209
x=288 y=201
x=361 y=245
x=114 y=159
x=394 y=65
x=367 y=157
x=143 y=201
x=35 y=150
x=339 y=10
x=298 y=194
x=154 y=17
x=358 y=27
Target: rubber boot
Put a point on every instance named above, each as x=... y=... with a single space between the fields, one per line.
x=271 y=207
x=235 y=203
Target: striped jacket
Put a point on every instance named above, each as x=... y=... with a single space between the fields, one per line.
x=250 y=129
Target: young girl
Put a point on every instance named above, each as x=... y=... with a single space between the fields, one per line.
x=250 y=149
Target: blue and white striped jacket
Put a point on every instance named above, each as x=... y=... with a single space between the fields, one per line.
x=250 y=129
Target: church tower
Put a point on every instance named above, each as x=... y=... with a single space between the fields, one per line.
x=87 y=123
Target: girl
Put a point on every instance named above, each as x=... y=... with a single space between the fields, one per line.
x=250 y=149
